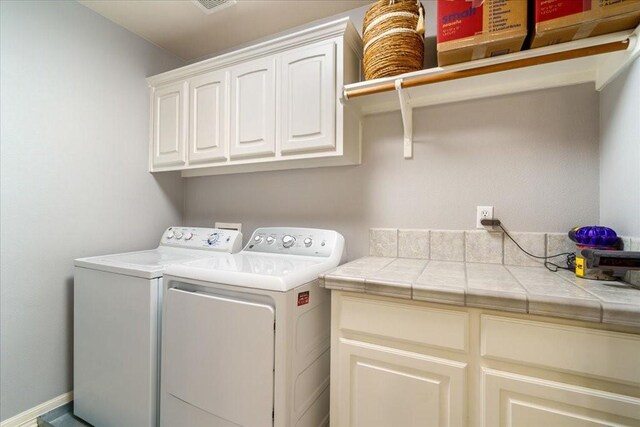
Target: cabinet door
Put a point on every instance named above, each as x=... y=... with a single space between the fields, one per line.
x=373 y=385
x=517 y=400
x=208 y=117
x=253 y=109
x=170 y=112
x=307 y=87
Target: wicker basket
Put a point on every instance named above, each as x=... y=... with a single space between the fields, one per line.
x=393 y=33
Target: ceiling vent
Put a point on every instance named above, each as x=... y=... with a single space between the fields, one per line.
x=210 y=6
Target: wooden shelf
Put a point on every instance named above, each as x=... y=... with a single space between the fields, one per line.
x=596 y=59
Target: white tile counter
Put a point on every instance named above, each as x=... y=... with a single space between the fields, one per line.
x=533 y=290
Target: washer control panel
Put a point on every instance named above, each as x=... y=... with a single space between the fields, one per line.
x=212 y=239
x=293 y=241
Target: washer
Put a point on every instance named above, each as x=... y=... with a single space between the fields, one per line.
x=246 y=336
x=117 y=325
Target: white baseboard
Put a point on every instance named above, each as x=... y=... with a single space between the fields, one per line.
x=29 y=418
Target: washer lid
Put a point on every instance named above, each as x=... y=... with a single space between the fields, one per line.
x=149 y=264
x=259 y=271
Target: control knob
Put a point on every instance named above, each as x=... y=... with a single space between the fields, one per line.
x=307 y=242
x=257 y=240
x=170 y=235
x=213 y=239
x=288 y=241
x=270 y=240
x=178 y=235
x=188 y=236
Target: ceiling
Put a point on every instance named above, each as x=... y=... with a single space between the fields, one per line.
x=183 y=28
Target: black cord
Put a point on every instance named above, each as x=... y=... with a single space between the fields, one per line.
x=549 y=265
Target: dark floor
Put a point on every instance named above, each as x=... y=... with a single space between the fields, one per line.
x=61 y=417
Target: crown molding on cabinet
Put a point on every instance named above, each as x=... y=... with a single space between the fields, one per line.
x=307 y=36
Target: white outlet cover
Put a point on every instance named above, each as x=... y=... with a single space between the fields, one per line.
x=484 y=212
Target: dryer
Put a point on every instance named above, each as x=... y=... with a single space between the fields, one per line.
x=246 y=337
x=117 y=325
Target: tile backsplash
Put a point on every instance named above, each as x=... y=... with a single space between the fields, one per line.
x=383 y=242
x=447 y=245
x=488 y=247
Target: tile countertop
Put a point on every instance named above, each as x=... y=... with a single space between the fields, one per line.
x=533 y=290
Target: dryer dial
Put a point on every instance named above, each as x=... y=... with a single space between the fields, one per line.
x=288 y=241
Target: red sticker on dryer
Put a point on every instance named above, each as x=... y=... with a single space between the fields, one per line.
x=303 y=298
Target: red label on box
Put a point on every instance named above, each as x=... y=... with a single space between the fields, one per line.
x=458 y=19
x=303 y=298
x=552 y=9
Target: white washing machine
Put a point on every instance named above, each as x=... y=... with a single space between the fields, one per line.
x=246 y=337
x=117 y=300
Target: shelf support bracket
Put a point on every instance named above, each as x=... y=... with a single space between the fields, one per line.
x=407 y=118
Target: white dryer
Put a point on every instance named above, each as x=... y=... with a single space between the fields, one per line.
x=117 y=300
x=246 y=337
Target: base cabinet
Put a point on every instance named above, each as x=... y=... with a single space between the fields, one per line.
x=390 y=368
x=371 y=377
x=519 y=401
x=272 y=106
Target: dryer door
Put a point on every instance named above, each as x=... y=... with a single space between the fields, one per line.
x=218 y=356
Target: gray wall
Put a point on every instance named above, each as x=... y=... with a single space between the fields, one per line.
x=533 y=156
x=620 y=153
x=74 y=183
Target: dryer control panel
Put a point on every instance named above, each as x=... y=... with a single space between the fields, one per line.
x=212 y=239
x=294 y=241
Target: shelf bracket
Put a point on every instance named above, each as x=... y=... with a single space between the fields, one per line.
x=407 y=118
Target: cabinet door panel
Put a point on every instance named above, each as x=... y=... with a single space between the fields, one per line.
x=307 y=82
x=169 y=124
x=253 y=109
x=208 y=120
x=516 y=400
x=381 y=386
x=583 y=351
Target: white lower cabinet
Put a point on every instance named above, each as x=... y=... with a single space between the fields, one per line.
x=372 y=377
x=405 y=363
x=276 y=105
x=380 y=373
x=517 y=400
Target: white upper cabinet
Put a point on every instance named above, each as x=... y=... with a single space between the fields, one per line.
x=208 y=96
x=307 y=81
x=272 y=106
x=169 y=127
x=253 y=109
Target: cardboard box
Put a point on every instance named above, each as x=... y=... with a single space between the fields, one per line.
x=559 y=21
x=474 y=29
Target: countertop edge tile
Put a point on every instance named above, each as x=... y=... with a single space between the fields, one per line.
x=620 y=314
x=568 y=308
x=505 y=301
x=388 y=288
x=442 y=296
x=344 y=283
x=594 y=308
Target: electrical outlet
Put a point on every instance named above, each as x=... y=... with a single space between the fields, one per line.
x=484 y=212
